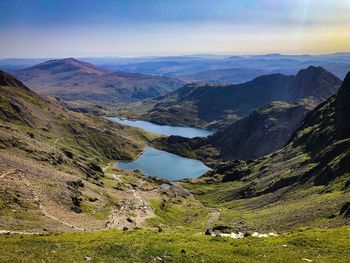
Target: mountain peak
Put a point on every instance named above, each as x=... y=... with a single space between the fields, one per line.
x=69 y=59
x=67 y=65
x=315 y=82
x=312 y=70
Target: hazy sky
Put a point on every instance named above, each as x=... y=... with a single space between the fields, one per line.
x=60 y=28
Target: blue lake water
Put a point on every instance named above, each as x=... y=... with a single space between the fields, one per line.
x=188 y=132
x=154 y=162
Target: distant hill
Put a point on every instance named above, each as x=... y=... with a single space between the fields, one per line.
x=226 y=69
x=214 y=105
x=71 y=79
x=228 y=76
x=245 y=73
x=68 y=66
x=207 y=68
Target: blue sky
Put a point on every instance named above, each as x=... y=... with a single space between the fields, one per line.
x=60 y=28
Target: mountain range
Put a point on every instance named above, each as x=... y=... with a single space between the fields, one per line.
x=74 y=80
x=216 y=105
x=207 y=66
x=215 y=69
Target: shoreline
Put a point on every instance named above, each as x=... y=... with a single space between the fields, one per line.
x=133 y=159
x=120 y=121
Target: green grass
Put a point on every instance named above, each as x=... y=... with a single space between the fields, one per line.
x=180 y=213
x=319 y=245
x=305 y=205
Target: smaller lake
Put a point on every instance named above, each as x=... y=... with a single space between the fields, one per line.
x=165 y=129
x=154 y=162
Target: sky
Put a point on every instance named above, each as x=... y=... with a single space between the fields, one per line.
x=78 y=28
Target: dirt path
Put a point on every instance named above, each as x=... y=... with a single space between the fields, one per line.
x=19 y=232
x=40 y=205
x=44 y=211
x=56 y=141
x=8 y=173
x=214 y=216
x=130 y=214
x=215 y=213
x=141 y=201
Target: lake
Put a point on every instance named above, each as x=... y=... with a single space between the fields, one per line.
x=188 y=132
x=154 y=162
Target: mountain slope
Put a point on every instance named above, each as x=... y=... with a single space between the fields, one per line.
x=305 y=183
x=262 y=132
x=71 y=79
x=20 y=105
x=52 y=160
x=211 y=105
x=58 y=172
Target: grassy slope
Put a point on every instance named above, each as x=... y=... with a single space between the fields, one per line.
x=44 y=148
x=326 y=245
x=52 y=124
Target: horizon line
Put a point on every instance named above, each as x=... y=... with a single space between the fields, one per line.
x=184 y=55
